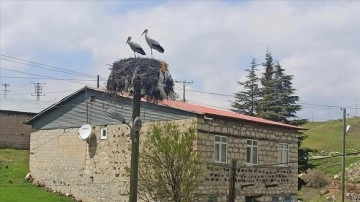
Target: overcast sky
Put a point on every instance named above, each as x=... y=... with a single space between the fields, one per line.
x=208 y=42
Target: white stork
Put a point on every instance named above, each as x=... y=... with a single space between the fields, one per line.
x=152 y=43
x=135 y=47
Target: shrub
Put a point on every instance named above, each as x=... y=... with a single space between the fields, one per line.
x=315 y=179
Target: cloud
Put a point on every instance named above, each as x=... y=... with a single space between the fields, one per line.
x=209 y=43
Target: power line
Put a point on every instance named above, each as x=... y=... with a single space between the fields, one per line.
x=64 y=79
x=54 y=68
x=64 y=91
x=43 y=66
x=300 y=103
x=44 y=76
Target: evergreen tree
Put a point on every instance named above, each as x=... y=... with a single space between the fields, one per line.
x=246 y=101
x=275 y=101
x=267 y=104
x=285 y=106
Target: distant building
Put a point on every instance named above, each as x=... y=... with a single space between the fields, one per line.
x=266 y=152
x=13 y=112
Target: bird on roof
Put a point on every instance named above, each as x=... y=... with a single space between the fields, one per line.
x=152 y=43
x=135 y=47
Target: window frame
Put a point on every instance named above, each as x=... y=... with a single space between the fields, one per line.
x=221 y=144
x=283 y=150
x=275 y=199
x=102 y=130
x=287 y=198
x=252 y=146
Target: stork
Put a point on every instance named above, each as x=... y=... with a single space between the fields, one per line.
x=135 y=47
x=152 y=43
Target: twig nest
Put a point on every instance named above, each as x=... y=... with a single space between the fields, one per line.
x=150 y=75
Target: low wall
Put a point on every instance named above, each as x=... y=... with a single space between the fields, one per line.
x=13 y=132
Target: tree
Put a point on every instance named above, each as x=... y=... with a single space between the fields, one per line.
x=277 y=102
x=246 y=101
x=285 y=106
x=267 y=103
x=303 y=160
x=170 y=167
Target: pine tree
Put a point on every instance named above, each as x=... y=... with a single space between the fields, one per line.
x=246 y=101
x=267 y=104
x=286 y=105
x=276 y=100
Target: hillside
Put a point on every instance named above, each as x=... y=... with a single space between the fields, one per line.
x=327 y=136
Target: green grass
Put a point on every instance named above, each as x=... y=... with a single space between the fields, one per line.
x=333 y=165
x=327 y=136
x=14 y=165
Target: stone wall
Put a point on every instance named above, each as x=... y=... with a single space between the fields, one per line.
x=90 y=171
x=13 y=133
x=95 y=170
x=265 y=180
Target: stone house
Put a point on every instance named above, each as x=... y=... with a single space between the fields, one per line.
x=265 y=152
x=13 y=112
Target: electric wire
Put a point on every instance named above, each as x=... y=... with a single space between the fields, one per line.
x=64 y=91
x=36 y=64
x=64 y=79
x=45 y=76
x=43 y=66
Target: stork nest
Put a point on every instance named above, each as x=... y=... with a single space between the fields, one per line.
x=151 y=75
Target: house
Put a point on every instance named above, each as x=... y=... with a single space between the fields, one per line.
x=260 y=155
x=13 y=112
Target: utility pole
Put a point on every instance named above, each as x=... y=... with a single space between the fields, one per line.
x=6 y=85
x=232 y=194
x=184 y=83
x=38 y=90
x=343 y=158
x=356 y=110
x=98 y=81
x=135 y=138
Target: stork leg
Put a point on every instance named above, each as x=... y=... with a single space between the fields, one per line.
x=151 y=52
x=134 y=54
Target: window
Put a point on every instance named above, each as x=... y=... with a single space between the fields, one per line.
x=275 y=199
x=220 y=149
x=283 y=154
x=287 y=199
x=250 y=199
x=252 y=152
x=103 y=133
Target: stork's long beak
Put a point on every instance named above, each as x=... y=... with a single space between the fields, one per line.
x=143 y=32
x=127 y=41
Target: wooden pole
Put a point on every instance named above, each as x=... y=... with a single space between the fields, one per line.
x=135 y=144
x=231 y=197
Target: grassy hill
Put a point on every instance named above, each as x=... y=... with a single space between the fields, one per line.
x=327 y=136
x=14 y=165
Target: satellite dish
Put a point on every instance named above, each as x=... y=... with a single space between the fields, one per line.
x=84 y=131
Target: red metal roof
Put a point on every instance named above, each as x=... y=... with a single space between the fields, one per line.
x=198 y=109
